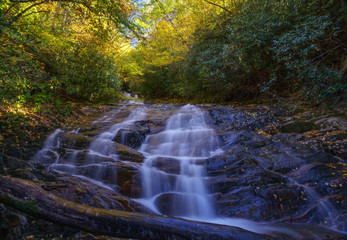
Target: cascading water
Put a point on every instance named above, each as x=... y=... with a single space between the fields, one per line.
x=103 y=144
x=48 y=153
x=184 y=144
x=173 y=174
x=99 y=163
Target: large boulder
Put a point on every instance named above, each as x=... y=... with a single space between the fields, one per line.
x=129 y=137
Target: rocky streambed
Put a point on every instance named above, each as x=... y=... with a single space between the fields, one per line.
x=276 y=174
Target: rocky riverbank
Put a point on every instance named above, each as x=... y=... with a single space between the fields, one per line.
x=278 y=166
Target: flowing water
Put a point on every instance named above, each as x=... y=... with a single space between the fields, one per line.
x=99 y=162
x=172 y=170
x=104 y=145
x=173 y=175
x=48 y=153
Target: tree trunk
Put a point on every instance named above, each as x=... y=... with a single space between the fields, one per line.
x=30 y=198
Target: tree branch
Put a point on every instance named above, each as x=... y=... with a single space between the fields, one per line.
x=215 y=4
x=27 y=9
x=8 y=10
x=22 y=1
x=36 y=13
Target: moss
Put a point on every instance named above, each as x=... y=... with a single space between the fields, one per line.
x=27 y=207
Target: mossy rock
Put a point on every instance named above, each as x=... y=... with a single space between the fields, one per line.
x=76 y=141
x=128 y=154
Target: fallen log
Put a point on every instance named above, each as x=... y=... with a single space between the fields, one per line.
x=28 y=197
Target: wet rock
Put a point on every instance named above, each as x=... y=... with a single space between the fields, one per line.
x=135 y=136
x=18 y=168
x=129 y=137
x=259 y=177
x=126 y=173
x=228 y=139
x=332 y=123
x=297 y=127
x=253 y=201
x=216 y=165
x=164 y=203
x=279 y=162
x=76 y=141
x=83 y=157
x=249 y=118
x=82 y=191
x=128 y=154
x=244 y=138
x=46 y=156
x=94 y=131
x=17 y=225
x=155 y=125
x=258 y=141
x=169 y=165
x=4 y=224
x=132 y=187
x=262 y=174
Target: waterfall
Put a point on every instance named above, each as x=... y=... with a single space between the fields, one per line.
x=173 y=171
x=167 y=171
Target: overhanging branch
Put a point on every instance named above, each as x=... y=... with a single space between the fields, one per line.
x=215 y=4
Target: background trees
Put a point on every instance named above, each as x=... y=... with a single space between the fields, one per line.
x=206 y=50
x=222 y=50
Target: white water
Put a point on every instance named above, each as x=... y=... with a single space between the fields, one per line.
x=132 y=99
x=48 y=154
x=99 y=162
x=173 y=173
x=185 y=142
x=104 y=144
x=101 y=167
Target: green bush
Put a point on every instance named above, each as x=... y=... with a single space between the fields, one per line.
x=20 y=72
x=82 y=72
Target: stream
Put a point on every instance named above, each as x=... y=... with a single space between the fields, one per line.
x=204 y=163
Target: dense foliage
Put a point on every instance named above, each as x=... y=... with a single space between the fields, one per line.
x=221 y=50
x=206 y=50
x=56 y=50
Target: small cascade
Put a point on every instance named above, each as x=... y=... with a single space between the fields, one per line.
x=173 y=171
x=132 y=99
x=104 y=144
x=99 y=162
x=47 y=154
